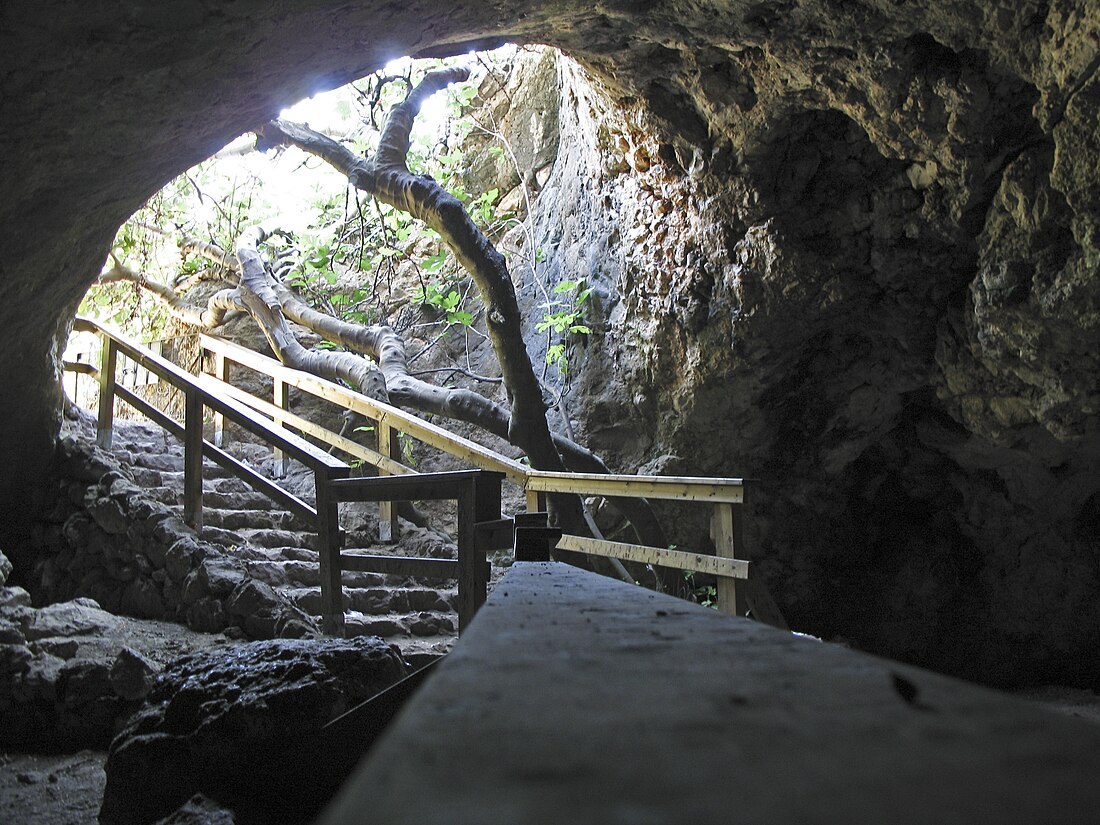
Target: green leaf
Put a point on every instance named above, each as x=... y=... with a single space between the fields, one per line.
x=435 y=262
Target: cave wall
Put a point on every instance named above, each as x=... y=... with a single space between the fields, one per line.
x=846 y=249
x=875 y=294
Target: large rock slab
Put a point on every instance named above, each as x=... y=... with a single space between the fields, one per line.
x=577 y=698
x=217 y=721
x=71 y=672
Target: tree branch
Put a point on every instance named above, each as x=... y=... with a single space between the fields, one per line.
x=387 y=177
x=258 y=291
x=212 y=316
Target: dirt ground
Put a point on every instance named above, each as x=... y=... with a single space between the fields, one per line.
x=66 y=789
x=51 y=790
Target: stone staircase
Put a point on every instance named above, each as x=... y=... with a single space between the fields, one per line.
x=278 y=548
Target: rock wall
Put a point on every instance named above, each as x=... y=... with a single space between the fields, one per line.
x=885 y=317
x=105 y=538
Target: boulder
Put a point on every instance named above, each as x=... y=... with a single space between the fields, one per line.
x=80 y=617
x=14 y=597
x=132 y=675
x=218 y=722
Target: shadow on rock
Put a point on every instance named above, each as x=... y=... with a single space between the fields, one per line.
x=242 y=725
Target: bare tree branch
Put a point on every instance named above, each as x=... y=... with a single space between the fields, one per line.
x=388 y=178
x=212 y=316
x=258 y=291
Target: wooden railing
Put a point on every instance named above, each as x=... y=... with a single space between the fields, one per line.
x=478 y=493
x=739 y=590
x=480 y=524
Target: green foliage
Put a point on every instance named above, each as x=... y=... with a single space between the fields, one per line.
x=704 y=594
x=444 y=300
x=482 y=207
x=563 y=317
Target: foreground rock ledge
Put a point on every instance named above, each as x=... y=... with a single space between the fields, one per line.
x=216 y=722
x=576 y=698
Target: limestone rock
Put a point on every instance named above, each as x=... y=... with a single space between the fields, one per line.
x=181 y=556
x=198 y=810
x=132 y=674
x=14 y=597
x=214 y=720
x=5 y=569
x=80 y=617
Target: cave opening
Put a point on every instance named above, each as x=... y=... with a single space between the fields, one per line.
x=850 y=252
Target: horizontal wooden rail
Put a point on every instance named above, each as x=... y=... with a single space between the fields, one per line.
x=421 y=486
x=677 y=559
x=220 y=457
x=391 y=416
x=245 y=417
x=302 y=425
x=730 y=490
x=82 y=367
x=400 y=565
x=663 y=487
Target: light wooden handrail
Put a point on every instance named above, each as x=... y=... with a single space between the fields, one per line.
x=592 y=484
x=673 y=488
x=394 y=417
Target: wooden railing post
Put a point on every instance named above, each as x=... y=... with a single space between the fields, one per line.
x=532 y=537
x=536 y=501
x=221 y=372
x=107 y=364
x=722 y=529
x=192 y=460
x=279 y=398
x=389 y=445
x=329 y=543
x=478 y=501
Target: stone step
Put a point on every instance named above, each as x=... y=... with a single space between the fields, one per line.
x=283 y=573
x=144 y=477
x=377 y=601
x=246 y=499
x=232 y=484
x=171 y=496
x=226 y=538
x=273 y=537
x=258 y=519
x=420 y=624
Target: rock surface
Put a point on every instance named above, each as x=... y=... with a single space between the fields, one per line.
x=217 y=721
x=108 y=538
x=876 y=317
x=48 y=790
x=198 y=810
x=70 y=673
